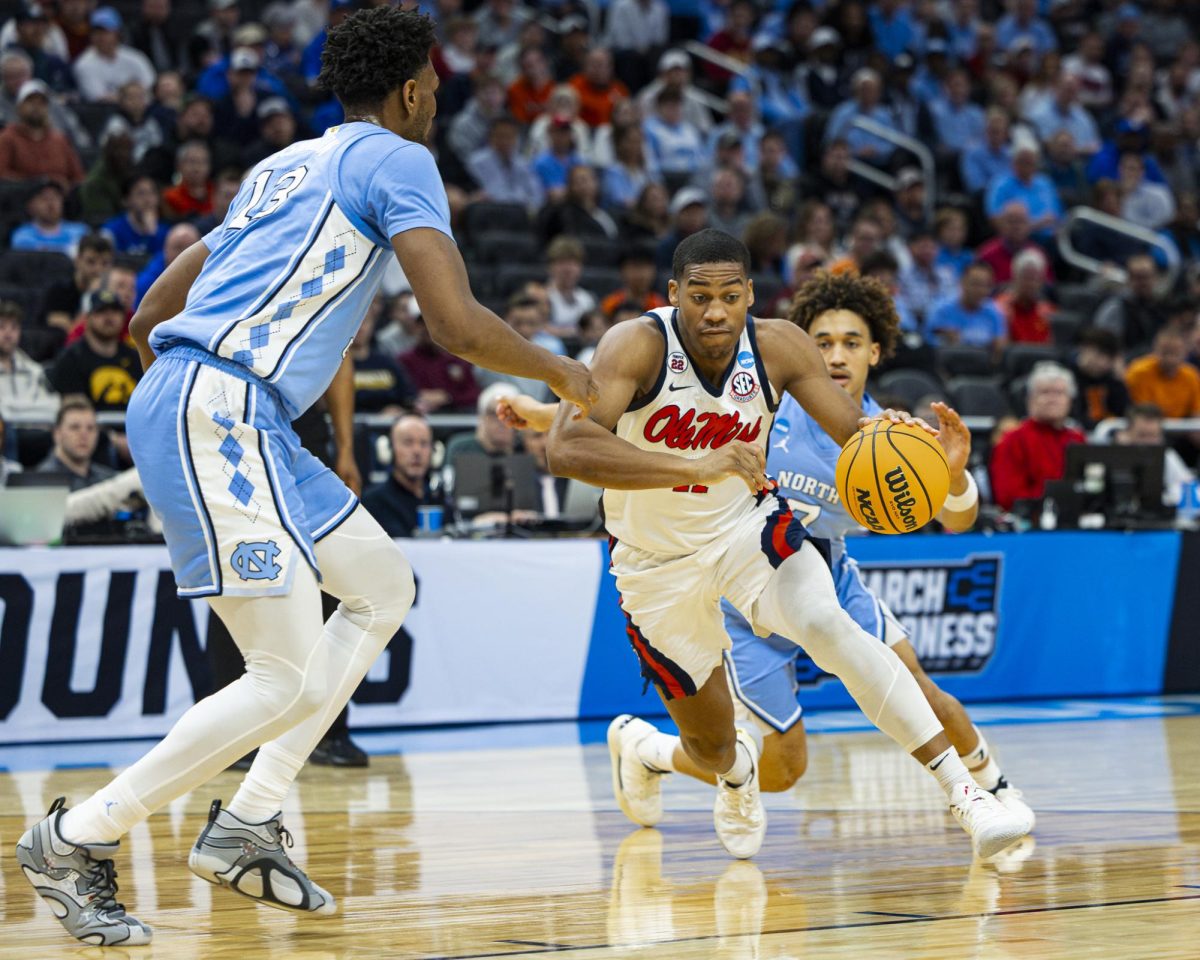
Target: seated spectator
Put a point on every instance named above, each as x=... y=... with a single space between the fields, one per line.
x=1035 y=452
x=276 y=130
x=1165 y=378
x=156 y=34
x=866 y=238
x=100 y=365
x=24 y=392
x=834 y=185
x=192 y=194
x=972 y=318
x=950 y=229
x=554 y=164
x=179 y=238
x=537 y=291
x=7 y=467
x=100 y=194
x=31 y=147
x=676 y=147
x=689 y=214
x=1145 y=428
x=639 y=276
x=1102 y=393
x=563 y=106
x=1012 y=237
x=925 y=282
x=381 y=385
x=225 y=189
x=984 y=162
x=491 y=436
x=1063 y=111
x=675 y=73
x=76 y=436
x=650 y=217
x=32 y=33
x=92 y=260
x=743 y=125
x=1136 y=312
x=766 y=237
x=866 y=103
x=630 y=172
x=46 y=229
x=820 y=75
x=1086 y=65
x=552 y=490
x=568 y=301
x=444 y=383
x=108 y=64
x=1065 y=169
x=578 y=213
x=145 y=129
x=592 y=326
x=235 y=114
x=394 y=502
x=524 y=314
x=502 y=174
x=637 y=30
x=882 y=266
x=912 y=215
x=16 y=69
x=457 y=53
x=733 y=39
x=1022 y=23
x=730 y=209
x=1023 y=303
x=775 y=178
x=499 y=21
x=598 y=88
x=959 y=123
x=1147 y=204
x=192 y=122
x=528 y=94
x=1026 y=184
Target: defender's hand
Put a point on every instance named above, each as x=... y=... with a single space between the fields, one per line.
x=524 y=413
x=736 y=459
x=954 y=437
x=574 y=384
x=898 y=416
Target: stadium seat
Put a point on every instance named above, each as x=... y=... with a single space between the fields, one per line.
x=94 y=116
x=510 y=277
x=42 y=343
x=978 y=397
x=600 y=280
x=1020 y=358
x=1016 y=394
x=1066 y=325
x=600 y=251
x=910 y=386
x=481 y=217
x=965 y=361
x=29 y=298
x=506 y=246
x=35 y=268
x=13 y=194
x=1078 y=297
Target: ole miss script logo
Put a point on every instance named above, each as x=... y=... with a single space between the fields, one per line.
x=689 y=430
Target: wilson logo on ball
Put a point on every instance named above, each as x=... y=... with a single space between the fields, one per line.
x=901 y=497
x=893 y=477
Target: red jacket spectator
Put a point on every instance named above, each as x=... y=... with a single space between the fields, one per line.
x=444 y=382
x=1026 y=310
x=597 y=88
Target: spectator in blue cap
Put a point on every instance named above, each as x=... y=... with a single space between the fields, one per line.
x=107 y=65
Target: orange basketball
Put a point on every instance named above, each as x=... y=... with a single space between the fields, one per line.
x=892 y=477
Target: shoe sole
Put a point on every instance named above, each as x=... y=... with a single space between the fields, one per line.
x=1001 y=842
x=614 y=756
x=201 y=866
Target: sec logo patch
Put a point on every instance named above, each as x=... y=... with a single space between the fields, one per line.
x=677 y=362
x=743 y=387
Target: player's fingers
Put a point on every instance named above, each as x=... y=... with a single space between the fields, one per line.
x=918 y=422
x=581 y=411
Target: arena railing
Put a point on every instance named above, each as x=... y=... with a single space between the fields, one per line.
x=904 y=142
x=1106 y=221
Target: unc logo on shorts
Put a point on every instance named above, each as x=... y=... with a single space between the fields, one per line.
x=746 y=359
x=256 y=561
x=677 y=362
x=743 y=387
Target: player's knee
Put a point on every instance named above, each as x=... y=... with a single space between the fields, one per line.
x=824 y=628
x=711 y=749
x=388 y=594
x=782 y=773
x=311 y=693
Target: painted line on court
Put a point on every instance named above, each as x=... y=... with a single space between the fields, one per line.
x=538 y=943
x=819 y=928
x=885 y=913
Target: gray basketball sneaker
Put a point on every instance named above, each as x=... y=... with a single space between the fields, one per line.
x=249 y=858
x=78 y=883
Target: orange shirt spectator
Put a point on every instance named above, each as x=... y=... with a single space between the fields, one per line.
x=1164 y=379
x=598 y=89
x=182 y=204
x=31 y=148
x=527 y=95
x=649 y=301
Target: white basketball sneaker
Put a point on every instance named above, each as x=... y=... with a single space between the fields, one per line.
x=990 y=825
x=1014 y=801
x=638 y=789
x=738 y=814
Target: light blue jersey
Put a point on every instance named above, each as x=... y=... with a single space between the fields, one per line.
x=301 y=254
x=803 y=460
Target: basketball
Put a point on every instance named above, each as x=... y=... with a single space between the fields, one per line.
x=893 y=477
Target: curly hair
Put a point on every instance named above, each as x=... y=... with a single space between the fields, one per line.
x=373 y=52
x=864 y=296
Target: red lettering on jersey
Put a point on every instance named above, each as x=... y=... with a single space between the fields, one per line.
x=678 y=430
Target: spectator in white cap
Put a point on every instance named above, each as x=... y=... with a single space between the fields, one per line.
x=235 y=115
x=107 y=64
x=866 y=103
x=689 y=214
x=16 y=68
x=53 y=41
x=675 y=72
x=1025 y=183
x=31 y=147
x=821 y=73
x=276 y=130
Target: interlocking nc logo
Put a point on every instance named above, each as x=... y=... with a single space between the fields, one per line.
x=256 y=561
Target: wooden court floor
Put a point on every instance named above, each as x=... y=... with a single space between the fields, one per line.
x=520 y=852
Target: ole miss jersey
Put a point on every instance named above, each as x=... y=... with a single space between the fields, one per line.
x=685 y=415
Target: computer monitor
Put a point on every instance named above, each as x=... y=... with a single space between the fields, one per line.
x=33 y=508
x=481 y=483
x=1123 y=483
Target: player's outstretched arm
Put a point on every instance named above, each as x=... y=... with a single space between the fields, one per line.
x=522 y=412
x=627 y=361
x=460 y=324
x=962 y=506
x=166 y=298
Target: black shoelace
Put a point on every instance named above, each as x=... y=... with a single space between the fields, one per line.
x=102 y=886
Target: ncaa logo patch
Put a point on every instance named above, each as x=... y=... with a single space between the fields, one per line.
x=256 y=561
x=745 y=359
x=743 y=387
x=677 y=362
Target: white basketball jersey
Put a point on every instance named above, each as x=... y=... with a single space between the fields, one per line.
x=685 y=415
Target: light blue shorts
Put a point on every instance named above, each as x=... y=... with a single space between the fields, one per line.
x=763 y=671
x=241 y=502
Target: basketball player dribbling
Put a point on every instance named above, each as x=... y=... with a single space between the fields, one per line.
x=854 y=325
x=239 y=336
x=677 y=441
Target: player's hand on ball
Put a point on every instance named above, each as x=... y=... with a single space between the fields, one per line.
x=742 y=460
x=898 y=416
x=954 y=437
x=574 y=384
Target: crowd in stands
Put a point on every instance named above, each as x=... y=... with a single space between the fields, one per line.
x=580 y=142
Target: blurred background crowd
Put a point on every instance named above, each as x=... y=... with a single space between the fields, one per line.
x=1022 y=175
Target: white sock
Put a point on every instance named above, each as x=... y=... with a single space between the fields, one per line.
x=742 y=767
x=982 y=764
x=657 y=751
x=260 y=797
x=104 y=817
x=948 y=770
